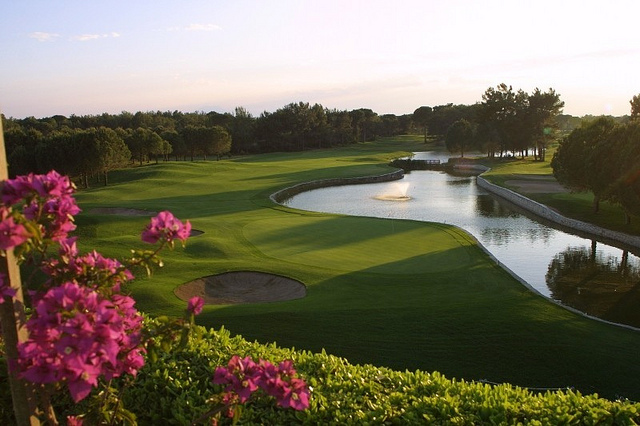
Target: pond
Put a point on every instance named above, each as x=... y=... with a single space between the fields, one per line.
x=593 y=277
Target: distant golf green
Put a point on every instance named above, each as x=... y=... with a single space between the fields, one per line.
x=402 y=294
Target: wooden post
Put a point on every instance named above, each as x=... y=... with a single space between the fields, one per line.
x=13 y=320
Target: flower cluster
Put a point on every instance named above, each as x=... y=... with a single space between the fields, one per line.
x=47 y=202
x=91 y=269
x=243 y=376
x=195 y=305
x=76 y=335
x=165 y=227
x=82 y=328
x=12 y=233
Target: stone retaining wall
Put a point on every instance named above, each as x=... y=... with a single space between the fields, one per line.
x=289 y=192
x=545 y=212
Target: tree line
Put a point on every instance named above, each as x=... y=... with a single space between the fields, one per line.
x=506 y=121
x=602 y=155
x=83 y=148
x=92 y=145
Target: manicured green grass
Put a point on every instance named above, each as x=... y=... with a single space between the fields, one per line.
x=402 y=294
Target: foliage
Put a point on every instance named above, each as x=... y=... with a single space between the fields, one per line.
x=573 y=161
x=624 y=168
x=601 y=156
x=443 y=116
x=296 y=126
x=300 y=126
x=516 y=121
x=79 y=152
x=214 y=140
x=421 y=117
x=506 y=121
x=540 y=119
x=635 y=107
x=144 y=143
x=82 y=328
x=459 y=136
x=175 y=391
x=243 y=130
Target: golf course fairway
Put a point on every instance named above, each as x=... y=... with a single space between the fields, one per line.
x=396 y=293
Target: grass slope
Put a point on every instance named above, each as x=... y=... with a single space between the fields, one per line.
x=401 y=294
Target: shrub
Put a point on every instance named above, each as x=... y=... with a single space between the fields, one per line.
x=175 y=389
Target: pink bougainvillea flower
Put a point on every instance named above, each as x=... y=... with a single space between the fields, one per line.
x=77 y=335
x=244 y=376
x=166 y=227
x=74 y=421
x=12 y=234
x=15 y=190
x=59 y=214
x=295 y=395
x=195 y=305
x=53 y=184
x=89 y=269
x=240 y=376
x=68 y=247
x=47 y=201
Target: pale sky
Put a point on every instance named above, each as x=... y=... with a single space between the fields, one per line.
x=92 y=56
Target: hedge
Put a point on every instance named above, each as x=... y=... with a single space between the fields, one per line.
x=176 y=388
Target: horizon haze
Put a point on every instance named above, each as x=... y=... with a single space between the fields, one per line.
x=87 y=58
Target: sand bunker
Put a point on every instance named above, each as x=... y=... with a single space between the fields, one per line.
x=122 y=211
x=242 y=287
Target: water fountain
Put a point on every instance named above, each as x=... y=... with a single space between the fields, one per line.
x=399 y=193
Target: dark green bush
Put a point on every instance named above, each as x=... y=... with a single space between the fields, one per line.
x=175 y=390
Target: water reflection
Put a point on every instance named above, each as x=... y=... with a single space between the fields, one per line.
x=467 y=181
x=600 y=284
x=529 y=248
x=488 y=206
